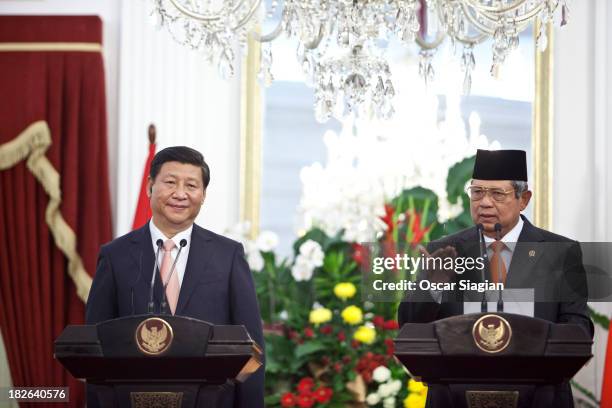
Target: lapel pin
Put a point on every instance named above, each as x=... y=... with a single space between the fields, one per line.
x=531 y=253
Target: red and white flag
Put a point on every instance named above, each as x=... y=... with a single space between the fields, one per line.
x=143 y=208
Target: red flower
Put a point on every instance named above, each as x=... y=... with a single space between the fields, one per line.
x=293 y=335
x=288 y=400
x=305 y=401
x=354 y=344
x=341 y=336
x=346 y=359
x=323 y=394
x=388 y=218
x=305 y=386
x=338 y=367
x=327 y=329
x=378 y=321
x=308 y=332
x=417 y=233
x=391 y=325
x=390 y=347
x=368 y=363
x=360 y=253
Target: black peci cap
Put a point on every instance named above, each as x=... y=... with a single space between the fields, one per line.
x=500 y=165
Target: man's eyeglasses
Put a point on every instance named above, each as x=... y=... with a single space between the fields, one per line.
x=477 y=193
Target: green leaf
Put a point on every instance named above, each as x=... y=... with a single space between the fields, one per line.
x=599 y=319
x=272 y=400
x=586 y=392
x=308 y=348
x=458 y=176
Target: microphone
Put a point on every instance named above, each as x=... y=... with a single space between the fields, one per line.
x=164 y=303
x=500 y=300
x=159 y=244
x=483 y=254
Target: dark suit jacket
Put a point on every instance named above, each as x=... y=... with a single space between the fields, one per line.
x=217 y=287
x=554 y=270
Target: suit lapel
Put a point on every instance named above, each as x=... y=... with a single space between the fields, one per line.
x=525 y=256
x=200 y=253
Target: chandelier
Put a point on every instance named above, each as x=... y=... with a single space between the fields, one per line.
x=341 y=43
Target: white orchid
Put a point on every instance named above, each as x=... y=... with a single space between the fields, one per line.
x=267 y=241
x=312 y=252
x=302 y=269
x=365 y=169
x=255 y=260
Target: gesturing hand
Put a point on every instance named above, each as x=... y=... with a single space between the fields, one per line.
x=435 y=271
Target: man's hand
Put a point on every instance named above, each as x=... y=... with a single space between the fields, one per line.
x=435 y=273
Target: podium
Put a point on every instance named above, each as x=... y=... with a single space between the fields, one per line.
x=493 y=359
x=158 y=360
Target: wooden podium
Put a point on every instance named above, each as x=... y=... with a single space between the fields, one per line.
x=492 y=359
x=158 y=360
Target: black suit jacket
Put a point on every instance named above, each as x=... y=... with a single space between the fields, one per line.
x=554 y=269
x=217 y=287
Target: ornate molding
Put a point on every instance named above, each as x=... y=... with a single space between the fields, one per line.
x=542 y=132
x=250 y=139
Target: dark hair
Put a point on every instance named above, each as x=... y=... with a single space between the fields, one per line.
x=181 y=154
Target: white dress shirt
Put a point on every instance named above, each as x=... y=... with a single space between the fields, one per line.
x=181 y=264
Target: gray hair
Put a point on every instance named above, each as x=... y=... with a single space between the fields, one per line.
x=519 y=187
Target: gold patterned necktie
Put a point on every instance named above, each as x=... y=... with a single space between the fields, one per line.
x=498 y=267
x=172 y=288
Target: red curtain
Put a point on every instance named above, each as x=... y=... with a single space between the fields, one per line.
x=65 y=89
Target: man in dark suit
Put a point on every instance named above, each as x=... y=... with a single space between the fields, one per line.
x=211 y=280
x=521 y=256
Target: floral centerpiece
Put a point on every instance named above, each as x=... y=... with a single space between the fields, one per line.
x=325 y=347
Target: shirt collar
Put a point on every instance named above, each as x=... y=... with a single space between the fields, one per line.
x=511 y=237
x=157 y=234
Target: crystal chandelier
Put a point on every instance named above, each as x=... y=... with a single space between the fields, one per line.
x=341 y=43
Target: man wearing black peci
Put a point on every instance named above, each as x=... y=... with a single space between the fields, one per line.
x=210 y=279
x=498 y=193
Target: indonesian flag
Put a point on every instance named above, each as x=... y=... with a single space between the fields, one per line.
x=143 y=208
x=606 y=387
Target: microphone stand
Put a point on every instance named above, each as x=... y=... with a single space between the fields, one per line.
x=500 y=300
x=151 y=306
x=484 y=256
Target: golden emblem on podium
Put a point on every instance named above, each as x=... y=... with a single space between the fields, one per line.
x=492 y=333
x=154 y=336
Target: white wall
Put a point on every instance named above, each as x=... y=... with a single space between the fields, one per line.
x=582 y=179
x=165 y=83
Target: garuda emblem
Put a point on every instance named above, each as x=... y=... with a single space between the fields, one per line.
x=492 y=333
x=154 y=336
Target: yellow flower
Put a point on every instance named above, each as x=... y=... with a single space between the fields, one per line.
x=415 y=400
x=352 y=315
x=320 y=315
x=365 y=334
x=416 y=386
x=345 y=290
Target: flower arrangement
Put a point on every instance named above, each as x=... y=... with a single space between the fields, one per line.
x=325 y=346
